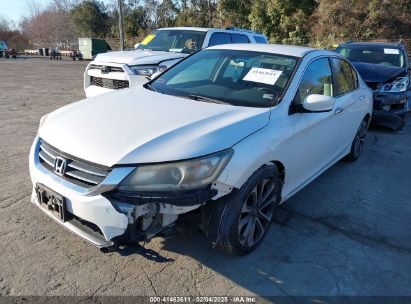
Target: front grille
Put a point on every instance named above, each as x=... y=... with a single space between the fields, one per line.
x=76 y=171
x=113 y=84
x=107 y=69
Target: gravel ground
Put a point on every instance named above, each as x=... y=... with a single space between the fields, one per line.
x=347 y=233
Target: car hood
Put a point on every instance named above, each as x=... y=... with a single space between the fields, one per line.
x=377 y=73
x=138 y=57
x=141 y=126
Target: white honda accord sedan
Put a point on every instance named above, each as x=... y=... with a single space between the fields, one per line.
x=232 y=131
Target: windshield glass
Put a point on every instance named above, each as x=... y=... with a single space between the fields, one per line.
x=374 y=54
x=242 y=78
x=180 y=41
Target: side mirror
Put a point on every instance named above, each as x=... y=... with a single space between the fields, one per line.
x=318 y=103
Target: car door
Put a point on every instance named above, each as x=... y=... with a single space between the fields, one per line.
x=314 y=144
x=349 y=97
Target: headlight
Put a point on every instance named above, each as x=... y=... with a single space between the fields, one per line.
x=400 y=84
x=147 y=70
x=182 y=175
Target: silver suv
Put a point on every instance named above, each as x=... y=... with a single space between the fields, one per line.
x=157 y=52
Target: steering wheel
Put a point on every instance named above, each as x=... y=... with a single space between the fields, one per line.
x=268 y=90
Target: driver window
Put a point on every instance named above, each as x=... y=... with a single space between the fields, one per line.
x=317 y=79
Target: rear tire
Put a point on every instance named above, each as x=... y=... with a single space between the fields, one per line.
x=241 y=220
x=358 y=143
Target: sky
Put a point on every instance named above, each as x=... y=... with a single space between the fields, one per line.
x=15 y=9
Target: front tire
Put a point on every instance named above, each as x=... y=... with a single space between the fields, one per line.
x=243 y=218
x=357 y=145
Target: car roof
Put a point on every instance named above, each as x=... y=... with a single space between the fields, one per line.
x=199 y=29
x=372 y=44
x=206 y=29
x=291 y=50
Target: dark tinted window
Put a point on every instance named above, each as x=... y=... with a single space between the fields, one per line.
x=343 y=76
x=219 y=38
x=260 y=39
x=239 y=38
x=317 y=79
x=390 y=56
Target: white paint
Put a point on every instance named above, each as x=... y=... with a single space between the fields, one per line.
x=392 y=51
x=261 y=75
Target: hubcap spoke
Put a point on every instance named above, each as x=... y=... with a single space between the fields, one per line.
x=250 y=236
x=265 y=217
x=244 y=221
x=261 y=228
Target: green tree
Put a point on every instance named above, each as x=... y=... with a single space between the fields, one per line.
x=166 y=13
x=89 y=19
x=136 y=21
x=201 y=13
x=335 y=21
x=282 y=21
x=236 y=12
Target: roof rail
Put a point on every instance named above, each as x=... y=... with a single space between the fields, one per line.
x=230 y=28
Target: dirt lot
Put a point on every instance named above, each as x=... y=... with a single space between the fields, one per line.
x=347 y=233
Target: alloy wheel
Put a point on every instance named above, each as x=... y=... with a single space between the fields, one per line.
x=360 y=138
x=256 y=213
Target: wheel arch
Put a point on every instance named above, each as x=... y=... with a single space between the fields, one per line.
x=368 y=118
x=281 y=169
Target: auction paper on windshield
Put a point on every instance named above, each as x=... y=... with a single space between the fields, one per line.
x=261 y=75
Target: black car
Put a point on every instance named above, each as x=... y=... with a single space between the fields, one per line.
x=385 y=67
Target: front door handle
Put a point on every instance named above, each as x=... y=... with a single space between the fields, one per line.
x=338 y=110
x=362 y=97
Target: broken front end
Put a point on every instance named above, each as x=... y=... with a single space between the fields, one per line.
x=391 y=103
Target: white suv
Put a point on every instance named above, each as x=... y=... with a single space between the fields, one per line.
x=232 y=131
x=157 y=52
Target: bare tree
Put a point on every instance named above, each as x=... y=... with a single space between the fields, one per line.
x=50 y=26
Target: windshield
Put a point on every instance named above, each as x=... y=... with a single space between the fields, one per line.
x=242 y=78
x=181 y=41
x=374 y=54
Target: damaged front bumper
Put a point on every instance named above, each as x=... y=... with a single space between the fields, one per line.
x=104 y=216
x=390 y=107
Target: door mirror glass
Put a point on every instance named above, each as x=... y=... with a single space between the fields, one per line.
x=318 y=103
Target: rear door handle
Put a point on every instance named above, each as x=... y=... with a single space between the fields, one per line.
x=362 y=97
x=338 y=110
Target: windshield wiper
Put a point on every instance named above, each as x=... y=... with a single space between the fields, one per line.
x=205 y=99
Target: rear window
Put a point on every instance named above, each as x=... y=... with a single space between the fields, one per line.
x=239 y=38
x=260 y=39
x=219 y=38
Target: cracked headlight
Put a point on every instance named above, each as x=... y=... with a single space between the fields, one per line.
x=147 y=70
x=400 y=84
x=181 y=175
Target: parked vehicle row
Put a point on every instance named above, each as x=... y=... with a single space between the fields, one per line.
x=231 y=131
